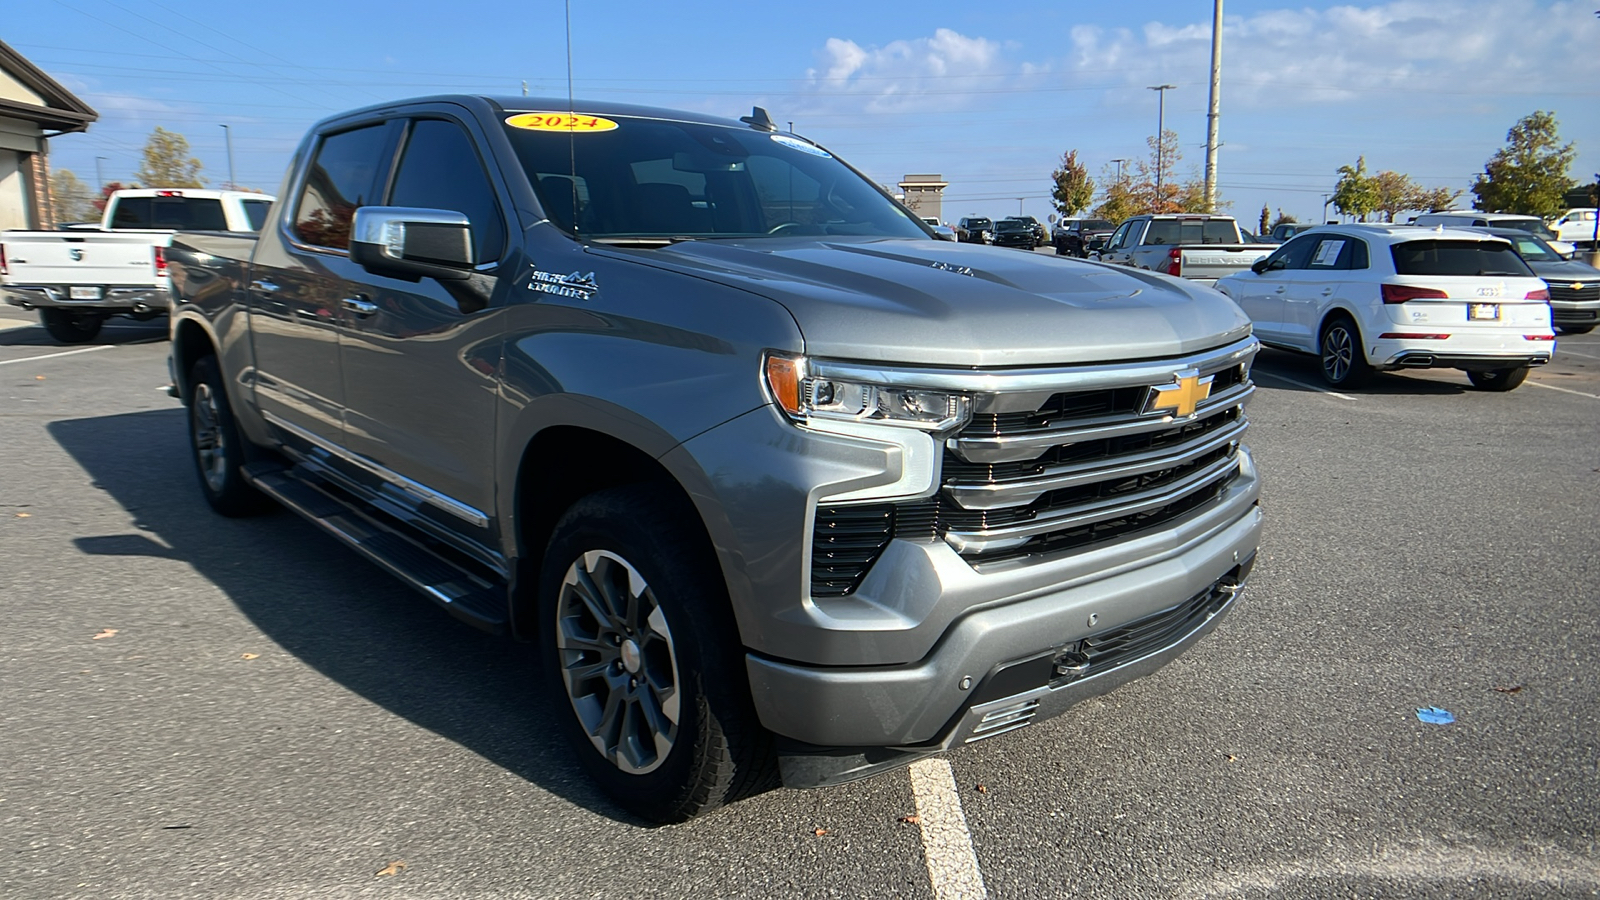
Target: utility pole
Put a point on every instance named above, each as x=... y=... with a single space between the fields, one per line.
x=99 y=176
x=1161 y=134
x=1214 y=114
x=227 y=133
x=1326 y=198
x=1019 y=206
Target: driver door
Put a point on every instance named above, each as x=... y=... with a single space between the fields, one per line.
x=1262 y=295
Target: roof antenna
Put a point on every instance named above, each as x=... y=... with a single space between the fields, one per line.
x=572 y=137
x=758 y=119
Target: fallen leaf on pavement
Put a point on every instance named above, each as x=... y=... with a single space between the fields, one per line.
x=24 y=515
x=38 y=378
x=983 y=789
x=104 y=633
x=1231 y=757
x=1510 y=690
x=391 y=869
x=911 y=820
x=819 y=832
x=248 y=655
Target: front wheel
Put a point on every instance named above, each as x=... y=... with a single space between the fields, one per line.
x=1343 y=362
x=638 y=637
x=71 y=326
x=1498 y=379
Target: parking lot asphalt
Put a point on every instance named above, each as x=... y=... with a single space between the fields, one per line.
x=199 y=707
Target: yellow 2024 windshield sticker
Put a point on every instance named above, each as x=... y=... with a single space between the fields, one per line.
x=573 y=122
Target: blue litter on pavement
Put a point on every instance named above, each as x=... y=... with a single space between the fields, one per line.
x=1436 y=716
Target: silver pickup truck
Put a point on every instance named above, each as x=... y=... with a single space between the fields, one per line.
x=781 y=485
x=1197 y=247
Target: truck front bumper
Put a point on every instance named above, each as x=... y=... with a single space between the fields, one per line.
x=996 y=668
x=136 y=298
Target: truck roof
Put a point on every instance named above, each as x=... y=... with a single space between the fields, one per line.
x=199 y=193
x=544 y=104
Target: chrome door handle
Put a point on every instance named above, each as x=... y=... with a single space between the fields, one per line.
x=360 y=306
x=261 y=284
x=1327 y=292
x=1278 y=289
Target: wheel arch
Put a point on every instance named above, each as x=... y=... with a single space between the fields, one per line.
x=191 y=340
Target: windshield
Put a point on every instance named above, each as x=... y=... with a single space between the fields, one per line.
x=1010 y=225
x=1532 y=248
x=979 y=223
x=1096 y=225
x=1192 y=231
x=1458 y=258
x=655 y=181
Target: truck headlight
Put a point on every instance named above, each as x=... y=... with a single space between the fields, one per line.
x=804 y=396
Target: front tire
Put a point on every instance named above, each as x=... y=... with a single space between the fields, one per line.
x=216 y=447
x=638 y=638
x=1499 y=379
x=71 y=326
x=1344 y=364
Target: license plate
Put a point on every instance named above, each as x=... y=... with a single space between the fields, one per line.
x=83 y=293
x=1483 y=312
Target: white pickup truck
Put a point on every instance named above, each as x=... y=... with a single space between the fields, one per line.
x=1189 y=245
x=77 y=278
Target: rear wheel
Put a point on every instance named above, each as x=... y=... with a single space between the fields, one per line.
x=216 y=446
x=638 y=638
x=71 y=326
x=1343 y=362
x=1498 y=379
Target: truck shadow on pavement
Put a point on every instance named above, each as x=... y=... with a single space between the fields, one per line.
x=331 y=609
x=117 y=331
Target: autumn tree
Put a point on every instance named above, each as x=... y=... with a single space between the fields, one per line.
x=167 y=162
x=1119 y=202
x=1073 y=189
x=1284 y=219
x=111 y=187
x=1529 y=174
x=1262 y=227
x=1434 y=199
x=72 y=200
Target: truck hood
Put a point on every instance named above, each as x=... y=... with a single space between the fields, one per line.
x=938 y=303
x=1566 y=270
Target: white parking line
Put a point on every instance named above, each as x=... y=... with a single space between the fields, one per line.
x=946 y=843
x=1551 y=387
x=1309 y=387
x=7 y=362
x=1563 y=351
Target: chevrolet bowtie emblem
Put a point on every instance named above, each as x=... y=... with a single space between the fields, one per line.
x=1182 y=398
x=1577 y=285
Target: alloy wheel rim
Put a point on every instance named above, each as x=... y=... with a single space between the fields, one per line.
x=209 y=447
x=1337 y=353
x=618 y=661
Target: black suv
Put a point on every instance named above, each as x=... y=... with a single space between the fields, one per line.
x=1041 y=236
x=1073 y=236
x=1014 y=233
x=975 y=230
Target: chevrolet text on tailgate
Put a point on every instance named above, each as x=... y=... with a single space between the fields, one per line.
x=784 y=487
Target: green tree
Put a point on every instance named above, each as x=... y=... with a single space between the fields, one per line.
x=1284 y=219
x=1262 y=227
x=1435 y=199
x=167 y=162
x=1119 y=202
x=1073 y=189
x=71 y=199
x=1355 y=194
x=1529 y=174
x=1394 y=193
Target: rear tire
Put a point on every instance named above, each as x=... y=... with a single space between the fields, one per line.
x=71 y=326
x=1499 y=379
x=216 y=447
x=639 y=642
x=1344 y=364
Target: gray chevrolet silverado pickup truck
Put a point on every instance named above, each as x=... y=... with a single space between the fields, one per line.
x=784 y=487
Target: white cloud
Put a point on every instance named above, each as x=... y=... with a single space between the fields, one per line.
x=947 y=69
x=1344 y=52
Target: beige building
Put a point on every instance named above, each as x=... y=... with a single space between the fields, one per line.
x=33 y=108
x=924 y=195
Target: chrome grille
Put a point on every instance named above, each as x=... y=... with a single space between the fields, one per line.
x=1563 y=291
x=1088 y=465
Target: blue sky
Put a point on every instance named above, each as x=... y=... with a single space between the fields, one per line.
x=987 y=95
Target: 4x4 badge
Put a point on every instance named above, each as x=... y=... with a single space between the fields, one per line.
x=1182 y=398
x=574 y=285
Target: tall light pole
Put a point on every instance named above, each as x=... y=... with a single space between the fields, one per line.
x=100 y=176
x=228 y=133
x=1161 y=132
x=1326 y=199
x=1214 y=114
x=1119 y=163
x=1019 y=206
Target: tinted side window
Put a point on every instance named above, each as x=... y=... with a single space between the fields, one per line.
x=177 y=213
x=1120 y=237
x=1295 y=254
x=441 y=170
x=256 y=212
x=1338 y=252
x=1458 y=258
x=340 y=179
x=131 y=212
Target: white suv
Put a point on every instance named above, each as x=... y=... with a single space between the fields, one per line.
x=1575 y=226
x=1383 y=297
